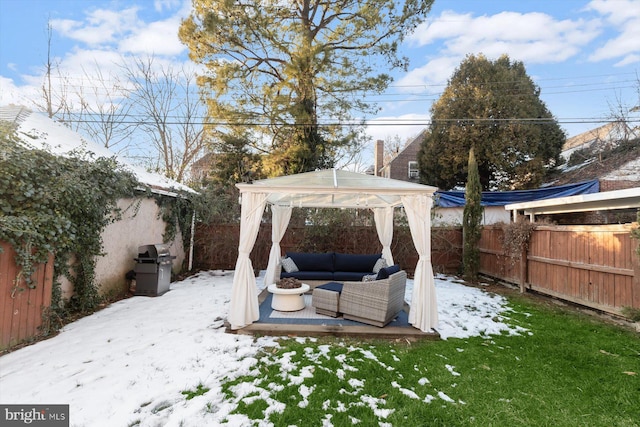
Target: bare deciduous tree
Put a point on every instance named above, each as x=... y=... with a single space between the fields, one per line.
x=105 y=111
x=150 y=113
x=53 y=95
x=171 y=115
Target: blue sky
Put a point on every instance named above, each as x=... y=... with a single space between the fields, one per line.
x=584 y=55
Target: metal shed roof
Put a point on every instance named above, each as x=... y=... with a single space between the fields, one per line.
x=607 y=200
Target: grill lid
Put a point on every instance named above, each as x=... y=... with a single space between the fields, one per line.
x=160 y=250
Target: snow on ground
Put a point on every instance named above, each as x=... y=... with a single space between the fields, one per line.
x=129 y=362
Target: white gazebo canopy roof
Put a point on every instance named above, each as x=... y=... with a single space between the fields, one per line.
x=331 y=188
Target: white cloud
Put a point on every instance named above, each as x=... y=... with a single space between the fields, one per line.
x=105 y=40
x=629 y=59
x=101 y=26
x=8 y=92
x=619 y=11
x=518 y=35
x=79 y=62
x=160 y=5
x=434 y=72
x=464 y=34
x=157 y=38
x=623 y=16
x=19 y=95
x=405 y=126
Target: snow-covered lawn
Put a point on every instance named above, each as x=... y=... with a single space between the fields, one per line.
x=131 y=361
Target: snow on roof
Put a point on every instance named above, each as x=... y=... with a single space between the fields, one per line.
x=38 y=131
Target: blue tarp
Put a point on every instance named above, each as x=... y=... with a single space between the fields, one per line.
x=452 y=199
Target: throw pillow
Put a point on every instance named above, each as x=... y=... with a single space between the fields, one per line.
x=288 y=265
x=369 y=277
x=381 y=263
x=384 y=273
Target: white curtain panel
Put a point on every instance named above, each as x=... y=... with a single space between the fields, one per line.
x=423 y=313
x=280 y=216
x=384 y=225
x=244 y=309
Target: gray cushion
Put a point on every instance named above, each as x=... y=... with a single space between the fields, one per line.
x=380 y=263
x=288 y=265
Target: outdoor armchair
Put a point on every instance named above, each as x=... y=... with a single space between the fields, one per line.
x=376 y=302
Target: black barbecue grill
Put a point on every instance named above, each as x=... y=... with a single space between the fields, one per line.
x=153 y=269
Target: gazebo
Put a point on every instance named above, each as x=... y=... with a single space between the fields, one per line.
x=333 y=188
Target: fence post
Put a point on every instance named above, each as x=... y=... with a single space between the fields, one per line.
x=636 y=273
x=524 y=264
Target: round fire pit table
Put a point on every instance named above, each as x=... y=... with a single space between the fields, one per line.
x=288 y=299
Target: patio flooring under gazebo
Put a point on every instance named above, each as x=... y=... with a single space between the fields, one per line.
x=272 y=323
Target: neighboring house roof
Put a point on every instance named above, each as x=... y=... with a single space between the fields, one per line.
x=619 y=163
x=38 y=131
x=607 y=134
x=450 y=199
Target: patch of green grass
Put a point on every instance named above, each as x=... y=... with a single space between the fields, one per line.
x=199 y=391
x=569 y=369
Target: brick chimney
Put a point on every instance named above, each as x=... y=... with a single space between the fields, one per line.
x=378 y=157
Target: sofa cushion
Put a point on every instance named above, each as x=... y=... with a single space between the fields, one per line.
x=331 y=286
x=359 y=263
x=348 y=276
x=308 y=275
x=384 y=273
x=312 y=261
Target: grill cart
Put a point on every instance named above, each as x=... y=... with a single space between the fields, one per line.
x=153 y=269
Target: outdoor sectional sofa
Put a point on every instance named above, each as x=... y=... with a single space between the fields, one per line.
x=318 y=268
x=358 y=287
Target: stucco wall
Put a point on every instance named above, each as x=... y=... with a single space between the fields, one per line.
x=453 y=216
x=140 y=225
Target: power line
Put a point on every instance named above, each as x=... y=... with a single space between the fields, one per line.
x=614 y=85
x=372 y=122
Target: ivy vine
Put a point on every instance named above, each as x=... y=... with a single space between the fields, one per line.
x=516 y=237
x=176 y=212
x=635 y=232
x=61 y=205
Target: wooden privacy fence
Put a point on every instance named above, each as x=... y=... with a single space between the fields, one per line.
x=595 y=265
x=22 y=307
x=216 y=245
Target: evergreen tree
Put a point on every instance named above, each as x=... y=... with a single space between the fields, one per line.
x=471 y=221
x=494 y=107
